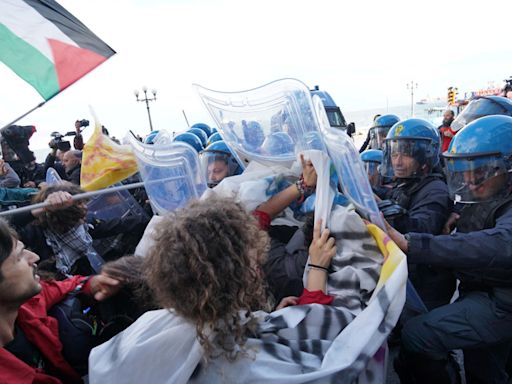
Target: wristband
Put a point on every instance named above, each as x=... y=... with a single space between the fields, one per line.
x=300 y=186
x=314 y=266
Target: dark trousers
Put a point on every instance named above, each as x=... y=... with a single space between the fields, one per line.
x=435 y=286
x=475 y=324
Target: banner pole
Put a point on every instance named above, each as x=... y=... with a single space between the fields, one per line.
x=80 y=196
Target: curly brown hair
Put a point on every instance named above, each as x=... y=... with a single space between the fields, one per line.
x=205 y=266
x=129 y=269
x=61 y=220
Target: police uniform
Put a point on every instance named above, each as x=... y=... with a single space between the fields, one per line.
x=480 y=321
x=480 y=253
x=428 y=206
x=425 y=199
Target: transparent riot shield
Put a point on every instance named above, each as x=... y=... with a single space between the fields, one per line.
x=266 y=124
x=345 y=157
x=171 y=173
x=52 y=176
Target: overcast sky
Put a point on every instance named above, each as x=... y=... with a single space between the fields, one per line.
x=362 y=52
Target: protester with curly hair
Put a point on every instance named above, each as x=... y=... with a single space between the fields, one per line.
x=205 y=269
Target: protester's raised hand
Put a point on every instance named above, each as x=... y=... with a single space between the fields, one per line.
x=322 y=248
x=104 y=286
x=56 y=200
x=59 y=200
x=308 y=172
x=396 y=236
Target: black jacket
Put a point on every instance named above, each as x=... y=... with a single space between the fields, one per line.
x=73 y=175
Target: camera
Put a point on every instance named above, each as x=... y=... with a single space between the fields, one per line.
x=58 y=143
x=84 y=123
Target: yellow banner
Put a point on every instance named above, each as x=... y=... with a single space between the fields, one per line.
x=105 y=162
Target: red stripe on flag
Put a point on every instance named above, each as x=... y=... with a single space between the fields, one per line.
x=71 y=63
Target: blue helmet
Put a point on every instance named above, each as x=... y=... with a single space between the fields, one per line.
x=200 y=134
x=410 y=138
x=278 y=144
x=253 y=135
x=372 y=155
x=372 y=158
x=150 y=139
x=386 y=121
x=214 y=137
x=380 y=128
x=203 y=127
x=480 y=151
x=190 y=139
x=218 y=162
x=482 y=106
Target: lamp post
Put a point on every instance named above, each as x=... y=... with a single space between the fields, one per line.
x=412 y=85
x=145 y=90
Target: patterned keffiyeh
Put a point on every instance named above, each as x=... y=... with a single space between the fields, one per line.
x=70 y=246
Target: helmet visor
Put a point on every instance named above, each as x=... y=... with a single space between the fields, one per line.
x=378 y=136
x=403 y=158
x=477 y=108
x=476 y=179
x=216 y=166
x=372 y=170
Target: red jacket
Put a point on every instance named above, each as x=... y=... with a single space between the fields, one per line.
x=446 y=140
x=42 y=331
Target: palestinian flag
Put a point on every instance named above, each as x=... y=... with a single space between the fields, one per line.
x=46 y=45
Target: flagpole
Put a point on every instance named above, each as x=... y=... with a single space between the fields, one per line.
x=25 y=114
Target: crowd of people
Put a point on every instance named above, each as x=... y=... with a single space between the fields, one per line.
x=216 y=284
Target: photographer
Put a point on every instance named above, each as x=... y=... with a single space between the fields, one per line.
x=78 y=141
x=60 y=147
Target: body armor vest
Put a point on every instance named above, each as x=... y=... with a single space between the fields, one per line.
x=477 y=217
x=402 y=193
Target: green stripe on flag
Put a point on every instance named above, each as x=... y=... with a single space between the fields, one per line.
x=28 y=63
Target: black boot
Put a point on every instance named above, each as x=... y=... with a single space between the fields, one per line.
x=418 y=369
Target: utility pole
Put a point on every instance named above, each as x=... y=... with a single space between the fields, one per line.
x=412 y=86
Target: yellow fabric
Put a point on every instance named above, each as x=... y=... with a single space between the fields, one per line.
x=105 y=162
x=392 y=254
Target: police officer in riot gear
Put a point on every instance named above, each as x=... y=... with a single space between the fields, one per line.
x=218 y=162
x=478 y=166
x=411 y=153
x=378 y=131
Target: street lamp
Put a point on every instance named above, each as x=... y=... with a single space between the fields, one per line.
x=145 y=90
x=412 y=85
